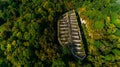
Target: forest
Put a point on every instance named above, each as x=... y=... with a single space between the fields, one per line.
x=28 y=33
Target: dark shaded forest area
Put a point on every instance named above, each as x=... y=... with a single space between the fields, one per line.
x=28 y=33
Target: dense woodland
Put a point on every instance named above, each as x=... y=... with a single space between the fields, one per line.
x=28 y=33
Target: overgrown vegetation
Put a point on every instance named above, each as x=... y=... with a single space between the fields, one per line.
x=28 y=33
x=102 y=32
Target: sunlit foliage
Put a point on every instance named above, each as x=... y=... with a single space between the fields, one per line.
x=28 y=35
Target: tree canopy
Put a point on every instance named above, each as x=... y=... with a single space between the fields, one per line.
x=28 y=33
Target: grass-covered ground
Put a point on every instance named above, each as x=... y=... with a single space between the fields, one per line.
x=28 y=33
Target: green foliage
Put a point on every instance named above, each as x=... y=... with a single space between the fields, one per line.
x=99 y=25
x=109 y=58
x=116 y=52
x=87 y=65
x=58 y=63
x=113 y=17
x=27 y=53
x=3 y=47
x=65 y=50
x=19 y=35
x=117 y=23
x=101 y=31
x=117 y=33
x=5 y=64
x=111 y=28
x=118 y=45
x=26 y=36
x=97 y=44
x=28 y=33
